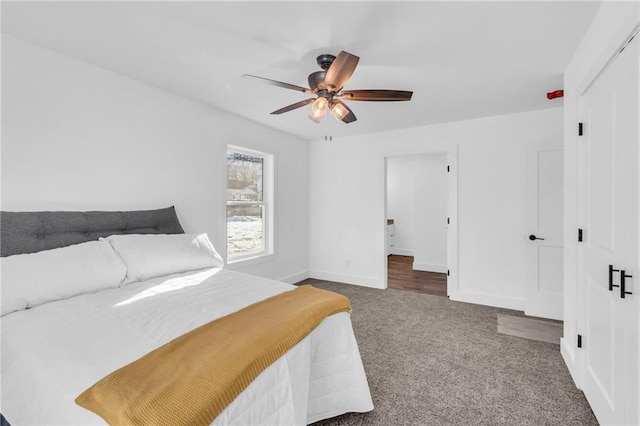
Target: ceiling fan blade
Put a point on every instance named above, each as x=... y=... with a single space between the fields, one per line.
x=376 y=95
x=340 y=70
x=294 y=106
x=342 y=112
x=277 y=83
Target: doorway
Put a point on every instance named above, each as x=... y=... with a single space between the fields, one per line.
x=419 y=212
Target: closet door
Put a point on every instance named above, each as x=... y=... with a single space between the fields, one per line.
x=610 y=333
x=630 y=187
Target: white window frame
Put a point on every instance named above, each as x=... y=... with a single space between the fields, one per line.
x=267 y=208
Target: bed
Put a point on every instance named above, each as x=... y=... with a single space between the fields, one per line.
x=63 y=344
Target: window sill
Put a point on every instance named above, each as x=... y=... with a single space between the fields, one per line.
x=250 y=261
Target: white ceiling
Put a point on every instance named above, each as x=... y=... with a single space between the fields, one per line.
x=461 y=59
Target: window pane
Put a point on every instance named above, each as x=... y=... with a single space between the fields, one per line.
x=244 y=229
x=244 y=177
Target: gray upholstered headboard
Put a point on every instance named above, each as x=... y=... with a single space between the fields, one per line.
x=30 y=232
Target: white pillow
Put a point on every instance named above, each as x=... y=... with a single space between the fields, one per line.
x=33 y=279
x=153 y=255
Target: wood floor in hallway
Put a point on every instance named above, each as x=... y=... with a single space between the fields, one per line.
x=402 y=276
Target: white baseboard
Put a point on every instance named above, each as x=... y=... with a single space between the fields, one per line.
x=429 y=267
x=487 y=299
x=295 y=278
x=401 y=251
x=347 y=279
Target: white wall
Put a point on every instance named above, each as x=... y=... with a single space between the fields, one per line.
x=417 y=202
x=431 y=187
x=401 y=203
x=610 y=28
x=347 y=208
x=78 y=137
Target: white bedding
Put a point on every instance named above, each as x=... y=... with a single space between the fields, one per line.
x=53 y=352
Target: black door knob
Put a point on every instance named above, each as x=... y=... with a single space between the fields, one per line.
x=533 y=238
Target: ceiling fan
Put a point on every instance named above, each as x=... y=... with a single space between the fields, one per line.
x=327 y=85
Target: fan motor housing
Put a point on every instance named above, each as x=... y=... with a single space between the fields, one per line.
x=316 y=80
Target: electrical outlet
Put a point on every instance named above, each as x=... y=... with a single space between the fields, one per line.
x=347 y=262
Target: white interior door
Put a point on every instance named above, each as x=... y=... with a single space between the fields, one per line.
x=544 y=294
x=610 y=110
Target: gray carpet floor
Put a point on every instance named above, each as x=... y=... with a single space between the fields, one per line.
x=432 y=361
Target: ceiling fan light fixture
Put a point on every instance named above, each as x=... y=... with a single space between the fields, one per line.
x=326 y=89
x=339 y=110
x=318 y=109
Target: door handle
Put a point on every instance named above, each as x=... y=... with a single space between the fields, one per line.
x=611 y=271
x=623 y=290
x=533 y=238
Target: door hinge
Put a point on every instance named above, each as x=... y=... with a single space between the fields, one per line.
x=447 y=272
x=579 y=235
x=448 y=222
x=447 y=169
x=579 y=340
x=580 y=130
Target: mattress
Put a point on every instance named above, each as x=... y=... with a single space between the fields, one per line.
x=53 y=352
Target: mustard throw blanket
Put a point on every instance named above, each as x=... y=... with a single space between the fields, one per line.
x=191 y=379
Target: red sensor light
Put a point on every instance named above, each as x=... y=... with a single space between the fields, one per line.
x=555 y=94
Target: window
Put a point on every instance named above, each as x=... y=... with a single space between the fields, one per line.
x=249 y=204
